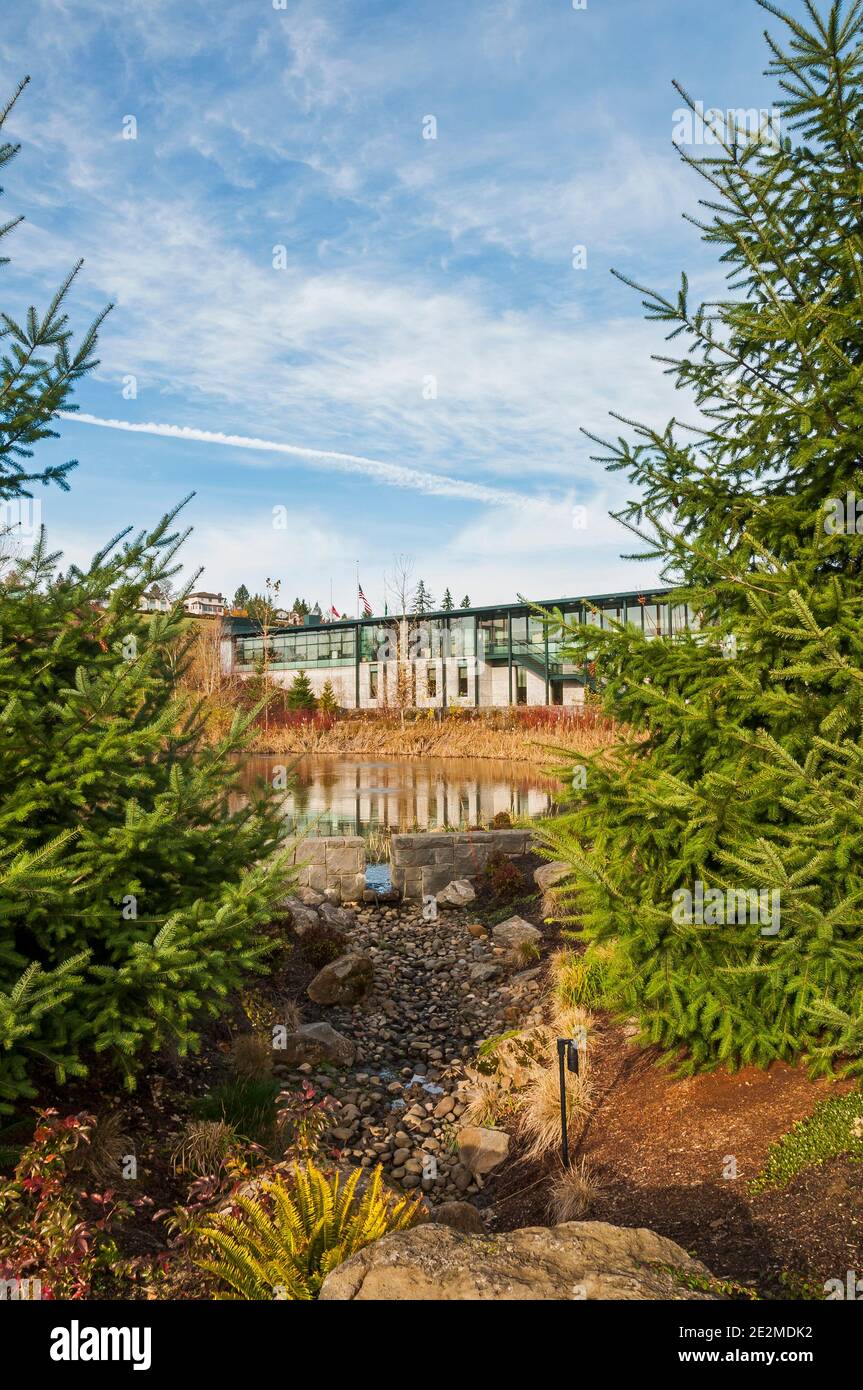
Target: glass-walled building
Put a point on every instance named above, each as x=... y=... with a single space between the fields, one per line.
x=488 y=657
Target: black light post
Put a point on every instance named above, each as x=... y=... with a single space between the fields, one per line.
x=567 y=1060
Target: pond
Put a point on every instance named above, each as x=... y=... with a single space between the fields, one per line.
x=346 y=795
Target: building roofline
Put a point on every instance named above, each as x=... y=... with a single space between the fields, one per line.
x=241 y=625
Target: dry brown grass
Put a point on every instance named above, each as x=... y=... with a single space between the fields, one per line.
x=453 y=737
x=203 y=1147
x=252 y=1055
x=539 y=1108
x=487 y=1100
x=100 y=1160
x=573 y=1192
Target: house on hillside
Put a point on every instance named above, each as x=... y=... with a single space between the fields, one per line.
x=204 y=605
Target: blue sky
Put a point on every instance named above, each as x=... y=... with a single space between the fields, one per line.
x=423 y=345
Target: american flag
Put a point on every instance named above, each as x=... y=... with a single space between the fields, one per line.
x=367 y=608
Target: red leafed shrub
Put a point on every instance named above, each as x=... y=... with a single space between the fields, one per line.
x=503 y=879
x=50 y=1229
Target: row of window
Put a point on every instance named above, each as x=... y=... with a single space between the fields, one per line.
x=430 y=681
x=418 y=639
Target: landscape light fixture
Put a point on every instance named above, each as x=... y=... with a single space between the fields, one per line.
x=567 y=1060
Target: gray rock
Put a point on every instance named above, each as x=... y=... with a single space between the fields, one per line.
x=580 y=1260
x=549 y=875
x=317 y=1042
x=481 y=1150
x=302 y=917
x=310 y=897
x=343 y=981
x=338 y=917
x=481 y=974
x=458 y=893
x=514 y=932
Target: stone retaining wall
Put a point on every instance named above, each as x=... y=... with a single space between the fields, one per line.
x=426 y=862
x=333 y=862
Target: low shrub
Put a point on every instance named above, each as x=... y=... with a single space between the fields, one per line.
x=98 y=1158
x=502 y=879
x=302 y=1119
x=52 y=1231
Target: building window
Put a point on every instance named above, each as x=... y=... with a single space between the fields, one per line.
x=520 y=685
x=373 y=682
x=462 y=679
x=431 y=682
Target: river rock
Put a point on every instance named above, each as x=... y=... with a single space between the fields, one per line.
x=549 y=875
x=310 y=897
x=580 y=1260
x=514 y=932
x=456 y=894
x=317 y=1042
x=481 y=974
x=481 y=1150
x=343 y=981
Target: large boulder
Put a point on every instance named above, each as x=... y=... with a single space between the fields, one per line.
x=480 y=1149
x=316 y=1043
x=457 y=894
x=549 y=875
x=344 y=981
x=578 y=1260
x=515 y=932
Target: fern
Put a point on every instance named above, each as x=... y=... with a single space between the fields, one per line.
x=284 y=1242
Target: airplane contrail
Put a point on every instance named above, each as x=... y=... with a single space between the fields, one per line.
x=396 y=475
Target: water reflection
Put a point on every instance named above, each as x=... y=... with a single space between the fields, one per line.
x=347 y=796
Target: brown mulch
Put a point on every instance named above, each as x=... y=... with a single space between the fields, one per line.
x=659 y=1146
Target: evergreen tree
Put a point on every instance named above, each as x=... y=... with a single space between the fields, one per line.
x=241 y=597
x=465 y=603
x=743 y=769
x=300 y=607
x=447 y=604
x=129 y=900
x=300 y=695
x=423 y=601
x=38 y=371
x=327 y=703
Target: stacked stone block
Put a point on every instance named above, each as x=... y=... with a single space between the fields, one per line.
x=424 y=863
x=333 y=862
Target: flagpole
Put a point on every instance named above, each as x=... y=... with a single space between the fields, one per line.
x=358 y=590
